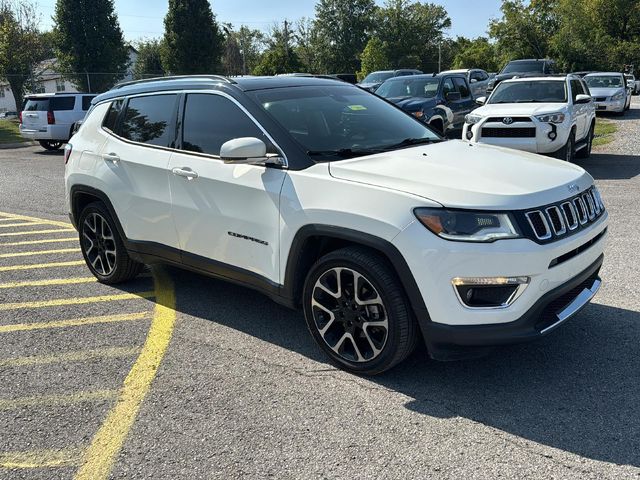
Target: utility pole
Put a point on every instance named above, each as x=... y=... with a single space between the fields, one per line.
x=286 y=42
x=440 y=56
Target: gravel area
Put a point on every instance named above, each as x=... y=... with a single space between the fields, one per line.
x=627 y=141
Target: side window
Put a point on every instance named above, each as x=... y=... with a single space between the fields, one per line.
x=62 y=103
x=86 y=102
x=585 y=87
x=461 y=86
x=447 y=87
x=111 y=118
x=576 y=89
x=484 y=75
x=211 y=120
x=149 y=120
x=476 y=75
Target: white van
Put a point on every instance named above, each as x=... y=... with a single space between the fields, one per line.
x=49 y=118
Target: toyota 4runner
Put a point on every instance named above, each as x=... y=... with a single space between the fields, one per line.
x=325 y=197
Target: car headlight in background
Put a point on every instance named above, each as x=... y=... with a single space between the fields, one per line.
x=551 y=117
x=618 y=96
x=472 y=119
x=467 y=226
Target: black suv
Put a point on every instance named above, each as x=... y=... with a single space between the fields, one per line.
x=523 y=68
x=441 y=101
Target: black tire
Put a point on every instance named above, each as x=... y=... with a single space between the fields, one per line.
x=389 y=305
x=51 y=145
x=586 y=151
x=114 y=264
x=567 y=153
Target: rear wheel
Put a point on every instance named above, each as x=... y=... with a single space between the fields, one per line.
x=102 y=247
x=586 y=151
x=357 y=311
x=50 y=145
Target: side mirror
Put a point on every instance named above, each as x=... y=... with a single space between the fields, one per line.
x=481 y=100
x=248 y=151
x=453 y=96
x=582 y=99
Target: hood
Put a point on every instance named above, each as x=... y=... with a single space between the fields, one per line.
x=413 y=104
x=457 y=174
x=605 y=92
x=515 y=109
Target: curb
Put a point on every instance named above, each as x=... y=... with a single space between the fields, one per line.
x=9 y=146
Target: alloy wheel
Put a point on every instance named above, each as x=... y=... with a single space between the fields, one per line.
x=349 y=315
x=99 y=244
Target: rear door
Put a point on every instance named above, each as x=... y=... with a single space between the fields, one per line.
x=34 y=115
x=135 y=158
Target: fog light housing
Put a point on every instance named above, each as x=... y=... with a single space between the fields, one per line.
x=552 y=135
x=493 y=292
x=469 y=134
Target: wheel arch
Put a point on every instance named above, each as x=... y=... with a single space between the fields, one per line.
x=82 y=195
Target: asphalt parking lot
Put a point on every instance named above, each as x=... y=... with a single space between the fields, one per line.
x=180 y=376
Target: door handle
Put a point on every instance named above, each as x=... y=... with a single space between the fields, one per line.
x=111 y=157
x=185 y=172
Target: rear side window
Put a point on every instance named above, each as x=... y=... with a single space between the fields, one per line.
x=211 y=120
x=86 y=103
x=461 y=86
x=111 y=119
x=37 y=105
x=447 y=86
x=58 y=104
x=149 y=120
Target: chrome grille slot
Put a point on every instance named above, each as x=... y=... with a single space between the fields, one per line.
x=570 y=215
x=556 y=220
x=539 y=224
x=596 y=204
x=581 y=210
x=588 y=201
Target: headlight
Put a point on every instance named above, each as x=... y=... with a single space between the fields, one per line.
x=618 y=96
x=551 y=118
x=472 y=119
x=467 y=226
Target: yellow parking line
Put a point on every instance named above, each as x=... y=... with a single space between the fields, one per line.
x=39 y=252
x=41 y=459
x=15 y=216
x=47 y=283
x=63 y=399
x=38 y=242
x=68 y=357
x=75 y=301
x=108 y=441
x=41 y=265
x=23 y=224
x=73 y=322
x=36 y=232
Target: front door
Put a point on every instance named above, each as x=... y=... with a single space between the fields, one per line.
x=227 y=215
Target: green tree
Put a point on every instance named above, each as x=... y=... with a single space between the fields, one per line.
x=342 y=30
x=21 y=46
x=307 y=46
x=251 y=42
x=149 y=61
x=193 y=42
x=477 y=53
x=280 y=55
x=374 y=57
x=89 y=44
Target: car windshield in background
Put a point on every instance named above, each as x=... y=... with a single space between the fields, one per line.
x=604 y=81
x=337 y=122
x=424 y=88
x=37 y=105
x=523 y=67
x=377 y=77
x=539 y=91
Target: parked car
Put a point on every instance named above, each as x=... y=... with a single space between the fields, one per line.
x=547 y=115
x=632 y=83
x=49 y=118
x=522 y=68
x=325 y=197
x=583 y=73
x=478 y=80
x=9 y=115
x=610 y=91
x=441 y=101
x=346 y=77
x=372 y=81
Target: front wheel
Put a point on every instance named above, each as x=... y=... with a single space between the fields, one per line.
x=50 y=145
x=102 y=247
x=567 y=152
x=357 y=311
x=586 y=151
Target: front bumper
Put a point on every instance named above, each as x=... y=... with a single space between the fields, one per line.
x=611 y=106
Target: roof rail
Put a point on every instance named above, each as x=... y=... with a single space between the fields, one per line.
x=173 y=77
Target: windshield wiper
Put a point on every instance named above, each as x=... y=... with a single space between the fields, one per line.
x=343 y=152
x=408 y=142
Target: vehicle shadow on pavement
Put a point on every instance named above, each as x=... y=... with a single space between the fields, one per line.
x=50 y=153
x=576 y=390
x=603 y=166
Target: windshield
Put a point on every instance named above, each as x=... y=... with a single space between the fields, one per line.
x=604 y=81
x=377 y=77
x=336 y=122
x=425 y=88
x=36 y=105
x=521 y=67
x=538 y=91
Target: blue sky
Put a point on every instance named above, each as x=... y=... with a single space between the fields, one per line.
x=143 y=18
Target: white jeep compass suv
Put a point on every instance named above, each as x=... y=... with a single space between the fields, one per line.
x=328 y=198
x=548 y=115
